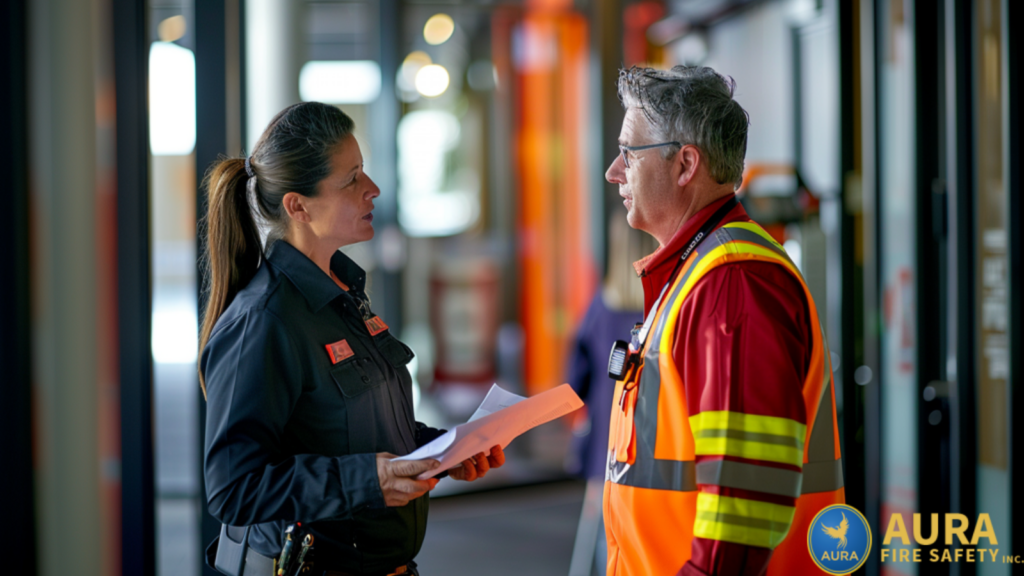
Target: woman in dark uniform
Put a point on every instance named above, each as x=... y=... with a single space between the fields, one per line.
x=308 y=394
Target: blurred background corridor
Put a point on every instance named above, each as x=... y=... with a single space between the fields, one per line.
x=883 y=153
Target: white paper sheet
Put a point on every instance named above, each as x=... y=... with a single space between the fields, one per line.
x=501 y=417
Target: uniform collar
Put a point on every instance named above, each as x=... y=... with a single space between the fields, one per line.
x=655 y=268
x=315 y=286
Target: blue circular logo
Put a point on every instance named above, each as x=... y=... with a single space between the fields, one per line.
x=839 y=539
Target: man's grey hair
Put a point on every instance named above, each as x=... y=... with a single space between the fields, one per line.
x=691 y=105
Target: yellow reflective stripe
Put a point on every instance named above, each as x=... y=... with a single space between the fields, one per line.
x=702 y=265
x=725 y=419
x=742 y=521
x=769 y=438
x=751 y=227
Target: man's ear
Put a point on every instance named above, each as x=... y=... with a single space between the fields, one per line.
x=295 y=207
x=689 y=159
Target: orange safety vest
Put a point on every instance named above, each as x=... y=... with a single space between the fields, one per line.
x=652 y=506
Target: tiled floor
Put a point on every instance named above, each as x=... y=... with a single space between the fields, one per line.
x=512 y=531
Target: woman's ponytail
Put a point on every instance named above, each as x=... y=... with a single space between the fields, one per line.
x=233 y=249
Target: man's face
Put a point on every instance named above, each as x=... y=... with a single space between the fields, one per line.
x=647 y=186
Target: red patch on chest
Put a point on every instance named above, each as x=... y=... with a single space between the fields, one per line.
x=339 y=351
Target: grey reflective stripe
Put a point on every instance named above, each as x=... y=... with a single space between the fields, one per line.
x=675 y=475
x=788 y=441
x=755 y=238
x=823 y=476
x=744 y=521
x=821 y=445
x=749 y=477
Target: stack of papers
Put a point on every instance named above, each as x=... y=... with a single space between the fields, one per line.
x=501 y=417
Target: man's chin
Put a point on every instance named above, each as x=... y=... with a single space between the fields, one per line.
x=634 y=220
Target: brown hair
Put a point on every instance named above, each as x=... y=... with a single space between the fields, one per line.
x=292 y=155
x=622 y=289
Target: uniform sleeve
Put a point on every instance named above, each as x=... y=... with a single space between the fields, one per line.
x=743 y=349
x=253 y=381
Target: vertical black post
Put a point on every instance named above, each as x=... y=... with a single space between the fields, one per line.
x=16 y=484
x=211 y=141
x=606 y=44
x=933 y=427
x=960 y=89
x=131 y=56
x=852 y=299
x=384 y=116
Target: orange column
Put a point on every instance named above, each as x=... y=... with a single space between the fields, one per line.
x=557 y=275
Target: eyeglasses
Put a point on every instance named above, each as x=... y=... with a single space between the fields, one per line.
x=624 y=149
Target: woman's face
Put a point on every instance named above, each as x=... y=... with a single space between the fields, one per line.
x=342 y=211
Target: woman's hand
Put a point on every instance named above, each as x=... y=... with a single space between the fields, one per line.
x=477 y=466
x=398 y=480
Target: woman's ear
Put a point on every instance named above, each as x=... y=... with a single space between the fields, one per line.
x=295 y=207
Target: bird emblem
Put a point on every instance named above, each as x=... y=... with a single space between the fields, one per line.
x=838 y=533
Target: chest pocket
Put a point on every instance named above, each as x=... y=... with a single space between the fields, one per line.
x=356 y=376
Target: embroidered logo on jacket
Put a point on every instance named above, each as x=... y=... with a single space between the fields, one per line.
x=339 y=351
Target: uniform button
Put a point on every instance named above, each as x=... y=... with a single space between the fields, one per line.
x=366 y=379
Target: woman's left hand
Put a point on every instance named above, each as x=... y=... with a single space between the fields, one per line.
x=477 y=466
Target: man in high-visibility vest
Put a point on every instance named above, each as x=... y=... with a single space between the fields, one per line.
x=723 y=442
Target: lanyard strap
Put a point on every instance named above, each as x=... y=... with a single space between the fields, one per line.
x=704 y=230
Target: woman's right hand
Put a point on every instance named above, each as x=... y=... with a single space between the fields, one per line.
x=398 y=480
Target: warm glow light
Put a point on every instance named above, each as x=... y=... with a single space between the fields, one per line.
x=412 y=64
x=438 y=29
x=432 y=202
x=432 y=80
x=340 y=82
x=171 y=29
x=172 y=100
x=406 y=80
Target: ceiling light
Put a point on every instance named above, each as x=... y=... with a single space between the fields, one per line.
x=171 y=29
x=432 y=80
x=340 y=81
x=438 y=29
x=172 y=100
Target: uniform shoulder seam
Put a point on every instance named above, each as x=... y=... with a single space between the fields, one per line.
x=261 y=304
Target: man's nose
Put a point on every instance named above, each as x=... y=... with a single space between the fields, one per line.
x=616 y=173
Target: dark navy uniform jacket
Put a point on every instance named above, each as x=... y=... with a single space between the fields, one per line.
x=292 y=430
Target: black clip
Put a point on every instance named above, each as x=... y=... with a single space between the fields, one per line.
x=621 y=359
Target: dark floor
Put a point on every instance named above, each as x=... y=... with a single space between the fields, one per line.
x=511 y=531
